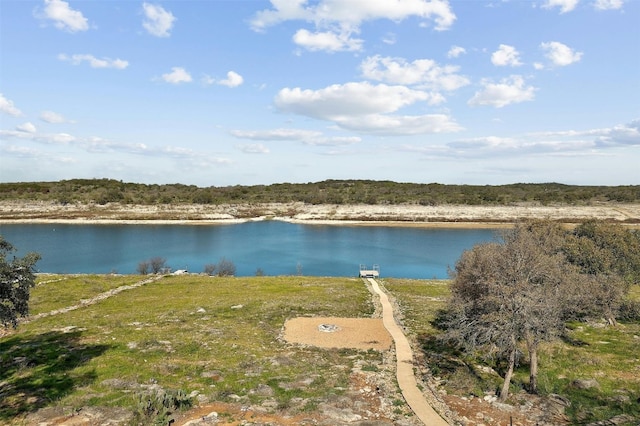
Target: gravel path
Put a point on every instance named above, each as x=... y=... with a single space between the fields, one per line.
x=404 y=356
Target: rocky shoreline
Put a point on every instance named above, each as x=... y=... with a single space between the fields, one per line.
x=403 y=215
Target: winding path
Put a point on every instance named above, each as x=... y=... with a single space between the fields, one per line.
x=404 y=355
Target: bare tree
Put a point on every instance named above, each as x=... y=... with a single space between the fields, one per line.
x=226 y=268
x=509 y=292
x=143 y=268
x=210 y=268
x=157 y=264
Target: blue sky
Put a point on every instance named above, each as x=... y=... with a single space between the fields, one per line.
x=216 y=93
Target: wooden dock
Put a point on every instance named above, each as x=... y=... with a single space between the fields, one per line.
x=369 y=273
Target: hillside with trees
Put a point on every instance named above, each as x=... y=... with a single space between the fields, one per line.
x=340 y=192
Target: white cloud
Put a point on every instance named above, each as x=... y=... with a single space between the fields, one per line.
x=561 y=143
x=365 y=108
x=27 y=127
x=389 y=38
x=564 y=5
x=277 y=134
x=423 y=72
x=608 y=4
x=335 y=21
x=347 y=100
x=456 y=51
x=389 y=125
x=327 y=40
x=177 y=75
x=158 y=21
x=308 y=137
x=330 y=12
x=506 y=56
x=255 y=148
x=233 y=79
x=7 y=107
x=94 y=62
x=64 y=17
x=508 y=91
x=52 y=117
x=560 y=54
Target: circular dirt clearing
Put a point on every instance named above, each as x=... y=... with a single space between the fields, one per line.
x=356 y=333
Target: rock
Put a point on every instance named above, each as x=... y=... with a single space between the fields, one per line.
x=237 y=307
x=585 y=383
x=339 y=414
x=621 y=419
x=264 y=390
x=201 y=311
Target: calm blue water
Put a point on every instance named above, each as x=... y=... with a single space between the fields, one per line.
x=277 y=248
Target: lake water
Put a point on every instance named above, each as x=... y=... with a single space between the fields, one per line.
x=274 y=247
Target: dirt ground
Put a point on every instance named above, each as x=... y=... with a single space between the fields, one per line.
x=329 y=332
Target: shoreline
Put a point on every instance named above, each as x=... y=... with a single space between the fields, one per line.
x=224 y=222
x=408 y=215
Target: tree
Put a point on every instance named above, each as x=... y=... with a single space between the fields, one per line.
x=608 y=256
x=17 y=277
x=143 y=268
x=210 y=268
x=226 y=268
x=157 y=264
x=511 y=292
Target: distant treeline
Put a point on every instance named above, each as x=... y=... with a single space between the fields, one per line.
x=103 y=191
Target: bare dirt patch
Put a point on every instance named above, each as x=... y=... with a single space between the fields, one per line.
x=331 y=332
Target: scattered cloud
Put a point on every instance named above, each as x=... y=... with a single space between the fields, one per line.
x=350 y=99
x=571 y=142
x=456 y=51
x=336 y=21
x=277 y=134
x=327 y=41
x=608 y=4
x=508 y=91
x=425 y=73
x=233 y=79
x=157 y=21
x=506 y=56
x=308 y=137
x=254 y=148
x=177 y=75
x=365 y=107
x=97 y=145
x=93 y=61
x=389 y=38
x=560 y=54
x=564 y=5
x=27 y=127
x=63 y=17
x=52 y=117
x=400 y=125
x=7 y=107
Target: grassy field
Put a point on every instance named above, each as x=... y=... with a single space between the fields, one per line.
x=610 y=356
x=218 y=337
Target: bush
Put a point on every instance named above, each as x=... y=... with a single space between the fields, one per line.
x=156 y=408
x=226 y=268
x=143 y=268
x=629 y=310
x=210 y=268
